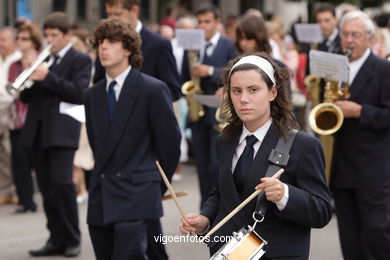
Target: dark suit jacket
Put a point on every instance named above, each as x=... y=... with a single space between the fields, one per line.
x=125 y=183
x=335 y=46
x=362 y=145
x=287 y=231
x=65 y=82
x=158 y=62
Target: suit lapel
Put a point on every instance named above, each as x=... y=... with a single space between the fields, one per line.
x=64 y=61
x=362 y=79
x=121 y=114
x=102 y=114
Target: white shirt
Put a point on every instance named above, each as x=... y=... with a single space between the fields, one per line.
x=275 y=53
x=138 y=27
x=332 y=36
x=259 y=134
x=178 y=53
x=120 y=80
x=355 y=66
x=214 y=41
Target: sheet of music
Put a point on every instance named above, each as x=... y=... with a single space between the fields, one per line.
x=190 y=39
x=329 y=65
x=308 y=32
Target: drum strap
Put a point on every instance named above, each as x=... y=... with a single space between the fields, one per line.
x=278 y=159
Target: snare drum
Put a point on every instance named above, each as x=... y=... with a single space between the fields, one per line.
x=246 y=244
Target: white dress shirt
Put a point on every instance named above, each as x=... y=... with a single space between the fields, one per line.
x=259 y=134
x=355 y=66
x=120 y=80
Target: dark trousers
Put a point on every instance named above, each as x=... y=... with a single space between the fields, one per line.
x=119 y=241
x=54 y=169
x=363 y=217
x=21 y=159
x=155 y=250
x=203 y=143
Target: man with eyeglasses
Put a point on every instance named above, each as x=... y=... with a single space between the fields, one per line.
x=360 y=169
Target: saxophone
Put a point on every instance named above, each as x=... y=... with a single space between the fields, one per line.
x=191 y=88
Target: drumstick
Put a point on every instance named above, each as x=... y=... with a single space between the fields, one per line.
x=171 y=191
x=178 y=194
x=238 y=208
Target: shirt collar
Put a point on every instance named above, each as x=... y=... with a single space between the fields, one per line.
x=259 y=133
x=334 y=34
x=359 y=62
x=138 y=27
x=214 y=40
x=64 y=50
x=120 y=79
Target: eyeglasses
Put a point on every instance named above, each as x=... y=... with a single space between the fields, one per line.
x=23 y=38
x=354 y=35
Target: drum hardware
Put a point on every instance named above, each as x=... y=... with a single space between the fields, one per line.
x=245 y=244
x=237 y=209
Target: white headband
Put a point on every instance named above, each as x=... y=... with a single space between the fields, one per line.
x=260 y=62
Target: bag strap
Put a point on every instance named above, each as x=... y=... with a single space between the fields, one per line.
x=278 y=159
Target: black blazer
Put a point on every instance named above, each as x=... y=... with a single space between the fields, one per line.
x=125 y=182
x=362 y=145
x=287 y=231
x=158 y=62
x=64 y=82
x=335 y=46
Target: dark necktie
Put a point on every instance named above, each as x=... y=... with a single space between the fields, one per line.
x=56 y=58
x=206 y=56
x=111 y=99
x=244 y=163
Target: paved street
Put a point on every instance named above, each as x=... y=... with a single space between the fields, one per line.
x=19 y=233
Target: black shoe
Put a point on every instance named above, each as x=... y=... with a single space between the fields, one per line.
x=24 y=209
x=72 y=251
x=48 y=249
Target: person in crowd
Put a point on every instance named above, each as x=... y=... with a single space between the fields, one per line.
x=29 y=42
x=130 y=124
x=260 y=112
x=360 y=179
x=325 y=16
x=218 y=51
x=252 y=35
x=158 y=62
x=157 y=51
x=54 y=136
x=8 y=55
x=170 y=17
x=230 y=25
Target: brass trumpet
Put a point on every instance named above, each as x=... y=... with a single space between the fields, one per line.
x=191 y=88
x=22 y=81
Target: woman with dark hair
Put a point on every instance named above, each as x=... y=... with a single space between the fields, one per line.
x=29 y=42
x=259 y=112
x=251 y=35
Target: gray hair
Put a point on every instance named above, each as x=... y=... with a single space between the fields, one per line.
x=10 y=29
x=186 y=22
x=368 y=23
